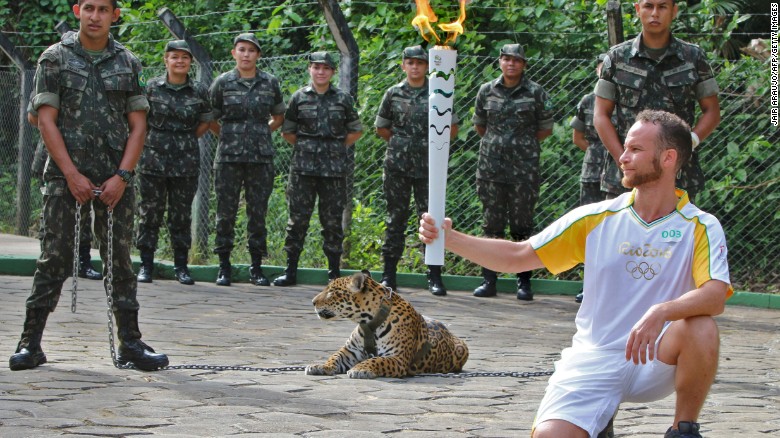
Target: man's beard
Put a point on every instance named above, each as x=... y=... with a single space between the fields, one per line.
x=643 y=178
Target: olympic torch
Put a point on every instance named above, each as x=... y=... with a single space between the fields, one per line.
x=442 y=60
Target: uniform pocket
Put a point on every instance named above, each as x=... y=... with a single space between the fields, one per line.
x=681 y=81
x=630 y=81
x=118 y=84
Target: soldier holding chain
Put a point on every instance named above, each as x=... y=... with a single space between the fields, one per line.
x=92 y=117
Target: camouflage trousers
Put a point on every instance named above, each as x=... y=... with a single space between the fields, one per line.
x=505 y=203
x=590 y=192
x=86 y=227
x=157 y=192
x=257 y=179
x=55 y=264
x=302 y=191
x=398 y=192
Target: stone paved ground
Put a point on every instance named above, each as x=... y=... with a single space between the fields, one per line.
x=79 y=392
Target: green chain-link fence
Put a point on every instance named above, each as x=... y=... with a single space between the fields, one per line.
x=740 y=159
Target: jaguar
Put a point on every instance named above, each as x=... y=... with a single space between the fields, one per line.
x=391 y=339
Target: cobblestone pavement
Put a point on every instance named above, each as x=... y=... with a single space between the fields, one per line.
x=79 y=392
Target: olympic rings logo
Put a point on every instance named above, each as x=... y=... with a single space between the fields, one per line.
x=643 y=270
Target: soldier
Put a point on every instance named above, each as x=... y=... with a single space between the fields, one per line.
x=249 y=106
x=85 y=268
x=168 y=171
x=321 y=122
x=655 y=71
x=587 y=139
x=92 y=117
x=513 y=115
x=402 y=122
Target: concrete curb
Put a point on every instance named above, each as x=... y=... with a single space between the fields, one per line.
x=25 y=266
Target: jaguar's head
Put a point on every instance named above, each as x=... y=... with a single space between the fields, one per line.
x=357 y=297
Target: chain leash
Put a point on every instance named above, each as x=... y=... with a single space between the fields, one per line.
x=513 y=374
x=76 y=243
x=110 y=292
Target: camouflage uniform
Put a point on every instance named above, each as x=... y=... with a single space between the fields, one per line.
x=508 y=169
x=635 y=81
x=170 y=162
x=92 y=95
x=38 y=166
x=245 y=154
x=595 y=156
x=404 y=110
x=319 y=166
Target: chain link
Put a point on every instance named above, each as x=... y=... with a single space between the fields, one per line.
x=76 y=243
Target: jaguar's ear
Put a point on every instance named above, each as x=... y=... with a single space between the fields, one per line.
x=358 y=281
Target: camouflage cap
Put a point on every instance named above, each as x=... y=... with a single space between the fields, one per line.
x=415 y=52
x=513 y=50
x=178 y=45
x=322 y=58
x=247 y=37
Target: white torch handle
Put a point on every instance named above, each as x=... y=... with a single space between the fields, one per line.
x=441 y=88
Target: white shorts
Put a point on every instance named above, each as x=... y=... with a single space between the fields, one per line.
x=588 y=386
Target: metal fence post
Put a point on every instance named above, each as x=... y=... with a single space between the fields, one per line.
x=26 y=147
x=614 y=23
x=348 y=81
x=200 y=225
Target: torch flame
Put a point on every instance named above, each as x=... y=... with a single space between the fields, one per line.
x=426 y=16
x=456 y=27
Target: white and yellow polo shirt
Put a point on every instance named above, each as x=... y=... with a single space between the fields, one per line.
x=630 y=264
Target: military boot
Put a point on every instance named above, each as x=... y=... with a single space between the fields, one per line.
x=290 y=276
x=131 y=348
x=256 y=275
x=86 y=270
x=180 y=266
x=524 y=292
x=488 y=286
x=28 y=352
x=147 y=266
x=435 y=283
x=388 y=276
x=225 y=270
x=334 y=266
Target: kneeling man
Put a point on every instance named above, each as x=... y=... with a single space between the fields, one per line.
x=655 y=275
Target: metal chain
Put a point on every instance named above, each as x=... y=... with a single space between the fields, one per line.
x=76 y=243
x=514 y=374
x=110 y=291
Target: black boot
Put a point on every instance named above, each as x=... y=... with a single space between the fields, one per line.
x=131 y=348
x=147 y=266
x=28 y=352
x=435 y=283
x=388 y=276
x=86 y=270
x=334 y=266
x=488 y=286
x=290 y=276
x=256 y=275
x=524 y=292
x=180 y=266
x=225 y=269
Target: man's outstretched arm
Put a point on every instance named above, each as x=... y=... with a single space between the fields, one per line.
x=495 y=254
